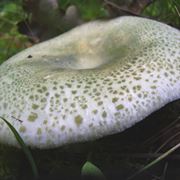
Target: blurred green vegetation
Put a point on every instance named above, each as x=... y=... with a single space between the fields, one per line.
x=11 y=41
x=12 y=12
x=89 y=9
x=167 y=11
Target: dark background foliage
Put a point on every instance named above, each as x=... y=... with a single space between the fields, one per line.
x=26 y=22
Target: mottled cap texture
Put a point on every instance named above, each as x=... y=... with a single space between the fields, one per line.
x=95 y=80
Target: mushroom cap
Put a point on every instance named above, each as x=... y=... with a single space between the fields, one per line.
x=95 y=80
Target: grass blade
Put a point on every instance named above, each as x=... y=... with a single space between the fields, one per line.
x=24 y=148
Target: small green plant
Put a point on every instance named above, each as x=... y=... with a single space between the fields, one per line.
x=90 y=170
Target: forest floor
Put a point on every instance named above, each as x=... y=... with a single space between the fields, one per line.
x=118 y=156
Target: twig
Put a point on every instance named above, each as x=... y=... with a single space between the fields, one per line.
x=120 y=8
x=162 y=132
x=166 y=142
x=164 y=171
x=17 y=119
x=154 y=161
x=147 y=156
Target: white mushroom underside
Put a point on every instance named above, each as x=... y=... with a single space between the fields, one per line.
x=98 y=79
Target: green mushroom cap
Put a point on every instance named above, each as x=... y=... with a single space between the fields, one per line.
x=95 y=80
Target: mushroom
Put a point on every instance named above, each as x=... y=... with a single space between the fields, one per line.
x=96 y=80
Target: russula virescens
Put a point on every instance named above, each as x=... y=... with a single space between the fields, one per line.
x=96 y=80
